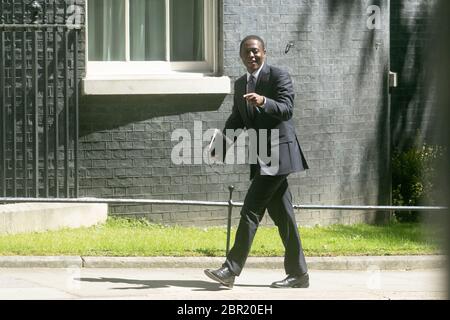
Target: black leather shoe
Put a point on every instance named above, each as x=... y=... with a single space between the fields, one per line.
x=293 y=281
x=222 y=275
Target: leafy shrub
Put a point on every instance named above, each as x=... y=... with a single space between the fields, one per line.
x=413 y=176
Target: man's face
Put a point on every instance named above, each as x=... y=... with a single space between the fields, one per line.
x=252 y=55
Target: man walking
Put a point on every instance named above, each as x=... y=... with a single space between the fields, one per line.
x=264 y=100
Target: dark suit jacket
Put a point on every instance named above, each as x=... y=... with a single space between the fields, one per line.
x=276 y=85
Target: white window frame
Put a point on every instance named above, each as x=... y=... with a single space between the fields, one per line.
x=141 y=69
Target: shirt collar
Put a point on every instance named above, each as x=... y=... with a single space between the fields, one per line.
x=256 y=73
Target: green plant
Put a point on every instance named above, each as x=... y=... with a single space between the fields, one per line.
x=413 y=179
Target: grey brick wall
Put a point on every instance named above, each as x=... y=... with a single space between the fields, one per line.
x=339 y=76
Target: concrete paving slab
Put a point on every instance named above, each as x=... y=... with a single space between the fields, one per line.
x=192 y=284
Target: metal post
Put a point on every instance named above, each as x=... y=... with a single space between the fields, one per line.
x=25 y=119
x=2 y=10
x=45 y=109
x=54 y=11
x=14 y=115
x=35 y=117
x=66 y=113
x=24 y=9
x=3 y=110
x=13 y=12
x=55 y=109
x=76 y=114
x=230 y=210
x=44 y=14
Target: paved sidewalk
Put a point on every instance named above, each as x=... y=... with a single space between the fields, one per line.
x=192 y=284
x=361 y=263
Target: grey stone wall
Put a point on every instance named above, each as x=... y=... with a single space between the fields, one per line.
x=339 y=68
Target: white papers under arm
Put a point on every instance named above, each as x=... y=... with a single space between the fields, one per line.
x=218 y=145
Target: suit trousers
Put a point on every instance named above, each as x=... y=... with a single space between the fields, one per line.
x=271 y=193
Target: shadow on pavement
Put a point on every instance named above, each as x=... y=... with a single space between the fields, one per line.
x=196 y=285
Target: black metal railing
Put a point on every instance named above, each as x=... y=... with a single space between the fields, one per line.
x=39 y=100
x=230 y=204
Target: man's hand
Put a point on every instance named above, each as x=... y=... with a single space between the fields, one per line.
x=254 y=98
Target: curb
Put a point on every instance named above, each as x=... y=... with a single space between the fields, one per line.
x=40 y=262
x=357 y=263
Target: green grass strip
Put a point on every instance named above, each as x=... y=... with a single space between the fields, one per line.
x=132 y=237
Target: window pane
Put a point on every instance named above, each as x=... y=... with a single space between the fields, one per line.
x=147 y=30
x=106 y=22
x=186 y=22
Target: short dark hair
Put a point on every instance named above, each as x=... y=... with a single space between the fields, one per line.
x=252 y=37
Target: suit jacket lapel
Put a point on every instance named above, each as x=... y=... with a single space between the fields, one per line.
x=263 y=78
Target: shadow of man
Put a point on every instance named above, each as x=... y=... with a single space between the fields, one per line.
x=195 y=285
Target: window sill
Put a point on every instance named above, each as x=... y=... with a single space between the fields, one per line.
x=156 y=84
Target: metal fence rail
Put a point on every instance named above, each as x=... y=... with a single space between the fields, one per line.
x=215 y=203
